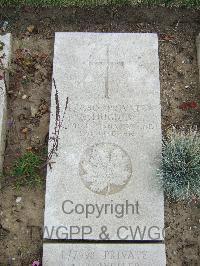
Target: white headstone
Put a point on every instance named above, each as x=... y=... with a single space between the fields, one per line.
x=5 y=55
x=198 y=52
x=109 y=144
x=104 y=255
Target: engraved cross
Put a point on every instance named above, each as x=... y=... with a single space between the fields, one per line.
x=107 y=63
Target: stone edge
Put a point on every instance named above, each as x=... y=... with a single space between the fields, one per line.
x=46 y=249
x=198 y=52
x=7 y=40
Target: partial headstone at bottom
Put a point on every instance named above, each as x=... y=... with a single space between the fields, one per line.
x=104 y=254
x=5 y=55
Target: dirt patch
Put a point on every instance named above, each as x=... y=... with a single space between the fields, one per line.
x=29 y=101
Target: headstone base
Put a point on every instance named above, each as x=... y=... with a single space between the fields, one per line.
x=104 y=254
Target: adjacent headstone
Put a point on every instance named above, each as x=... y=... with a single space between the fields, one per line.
x=104 y=255
x=104 y=149
x=5 y=55
x=198 y=52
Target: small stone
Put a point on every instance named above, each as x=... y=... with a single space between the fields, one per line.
x=25 y=130
x=18 y=199
x=33 y=111
x=24 y=97
x=5 y=25
x=30 y=28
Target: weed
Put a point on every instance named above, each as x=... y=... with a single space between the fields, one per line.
x=180 y=167
x=26 y=170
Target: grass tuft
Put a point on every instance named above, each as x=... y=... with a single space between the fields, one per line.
x=26 y=170
x=180 y=167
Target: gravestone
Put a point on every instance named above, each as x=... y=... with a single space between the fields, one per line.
x=5 y=54
x=106 y=254
x=198 y=52
x=105 y=144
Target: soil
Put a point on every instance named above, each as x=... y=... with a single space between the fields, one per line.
x=29 y=102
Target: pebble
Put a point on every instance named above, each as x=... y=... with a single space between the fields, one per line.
x=30 y=28
x=33 y=111
x=18 y=199
x=24 y=97
x=5 y=25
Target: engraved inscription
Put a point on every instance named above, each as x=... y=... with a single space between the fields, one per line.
x=110 y=120
x=105 y=257
x=107 y=64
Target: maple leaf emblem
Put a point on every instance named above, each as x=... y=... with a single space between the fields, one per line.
x=105 y=168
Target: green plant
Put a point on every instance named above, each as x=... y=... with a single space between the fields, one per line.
x=180 y=166
x=26 y=170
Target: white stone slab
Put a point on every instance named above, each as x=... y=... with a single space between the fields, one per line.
x=198 y=52
x=104 y=255
x=110 y=140
x=5 y=56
